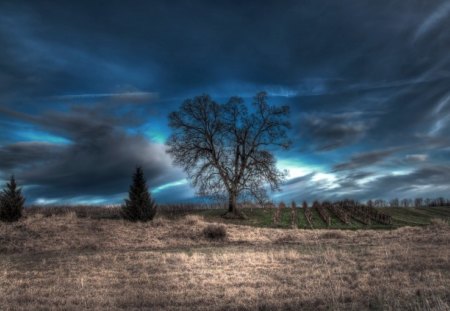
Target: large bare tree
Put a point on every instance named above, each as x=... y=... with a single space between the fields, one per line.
x=225 y=149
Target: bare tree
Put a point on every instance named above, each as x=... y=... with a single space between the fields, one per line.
x=380 y=203
x=418 y=202
x=404 y=203
x=226 y=148
x=394 y=203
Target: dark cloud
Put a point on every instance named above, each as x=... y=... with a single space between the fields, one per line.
x=349 y=181
x=301 y=179
x=102 y=76
x=28 y=153
x=98 y=160
x=331 y=131
x=187 y=45
x=432 y=181
x=365 y=159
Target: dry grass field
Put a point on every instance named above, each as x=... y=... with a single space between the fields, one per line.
x=71 y=263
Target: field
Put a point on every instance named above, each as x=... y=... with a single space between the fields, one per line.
x=72 y=262
x=400 y=217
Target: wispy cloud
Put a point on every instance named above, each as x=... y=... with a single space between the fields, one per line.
x=333 y=130
x=366 y=159
x=440 y=14
x=416 y=157
x=125 y=96
x=166 y=186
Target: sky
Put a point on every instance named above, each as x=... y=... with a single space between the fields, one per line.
x=86 y=87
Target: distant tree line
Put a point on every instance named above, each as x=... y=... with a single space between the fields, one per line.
x=417 y=202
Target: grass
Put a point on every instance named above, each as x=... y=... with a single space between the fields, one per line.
x=416 y=216
x=258 y=217
x=72 y=263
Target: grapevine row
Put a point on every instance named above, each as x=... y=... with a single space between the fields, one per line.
x=308 y=214
x=322 y=213
x=337 y=211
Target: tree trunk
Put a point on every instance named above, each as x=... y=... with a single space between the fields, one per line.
x=232 y=205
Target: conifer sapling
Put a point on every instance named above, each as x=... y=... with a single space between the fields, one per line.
x=139 y=206
x=11 y=202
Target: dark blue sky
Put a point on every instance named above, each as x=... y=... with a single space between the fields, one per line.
x=86 y=86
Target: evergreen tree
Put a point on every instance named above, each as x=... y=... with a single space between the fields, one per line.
x=139 y=206
x=11 y=202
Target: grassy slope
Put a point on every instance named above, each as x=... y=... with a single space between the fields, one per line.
x=401 y=217
x=417 y=216
x=70 y=263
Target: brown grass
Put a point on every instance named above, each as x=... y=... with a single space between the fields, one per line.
x=438 y=223
x=71 y=263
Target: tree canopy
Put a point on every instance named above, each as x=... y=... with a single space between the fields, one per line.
x=226 y=149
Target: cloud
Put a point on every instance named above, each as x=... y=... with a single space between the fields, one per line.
x=303 y=188
x=438 y=16
x=28 y=153
x=300 y=179
x=442 y=105
x=416 y=157
x=350 y=181
x=431 y=180
x=353 y=83
x=128 y=97
x=160 y=44
x=426 y=181
x=99 y=160
x=331 y=131
x=365 y=159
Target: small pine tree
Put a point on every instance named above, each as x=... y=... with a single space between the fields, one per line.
x=11 y=202
x=139 y=206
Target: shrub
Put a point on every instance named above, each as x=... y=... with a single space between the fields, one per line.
x=332 y=235
x=215 y=232
x=139 y=206
x=11 y=202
